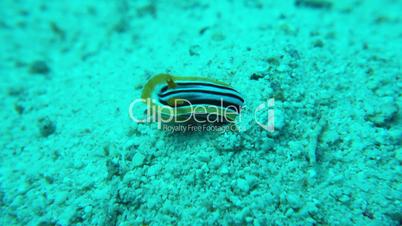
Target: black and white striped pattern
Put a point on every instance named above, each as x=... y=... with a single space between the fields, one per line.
x=202 y=93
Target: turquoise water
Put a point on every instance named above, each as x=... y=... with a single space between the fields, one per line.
x=325 y=74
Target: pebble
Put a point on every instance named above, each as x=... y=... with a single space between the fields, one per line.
x=88 y=209
x=224 y=170
x=39 y=67
x=344 y=198
x=294 y=201
x=216 y=163
x=60 y=198
x=235 y=200
x=46 y=127
x=204 y=157
x=243 y=185
x=138 y=159
x=251 y=180
x=308 y=209
x=289 y=212
x=318 y=4
x=153 y=170
x=194 y=50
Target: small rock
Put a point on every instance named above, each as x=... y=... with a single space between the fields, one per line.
x=344 y=198
x=293 y=53
x=243 y=185
x=138 y=159
x=224 y=170
x=148 y=9
x=395 y=214
x=318 y=43
x=308 y=209
x=113 y=169
x=289 y=212
x=121 y=26
x=46 y=127
x=251 y=180
x=294 y=201
x=194 y=50
x=203 y=30
x=385 y=114
x=16 y=91
x=216 y=163
x=204 y=157
x=256 y=76
x=311 y=177
x=19 y=108
x=39 y=67
x=267 y=144
x=318 y=4
x=395 y=134
x=229 y=142
x=273 y=60
x=153 y=170
x=57 y=30
x=235 y=200
x=60 y=197
x=88 y=209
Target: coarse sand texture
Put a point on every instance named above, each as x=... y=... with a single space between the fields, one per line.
x=318 y=140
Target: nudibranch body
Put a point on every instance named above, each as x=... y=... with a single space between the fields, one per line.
x=174 y=96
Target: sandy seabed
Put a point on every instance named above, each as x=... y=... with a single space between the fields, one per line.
x=70 y=155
